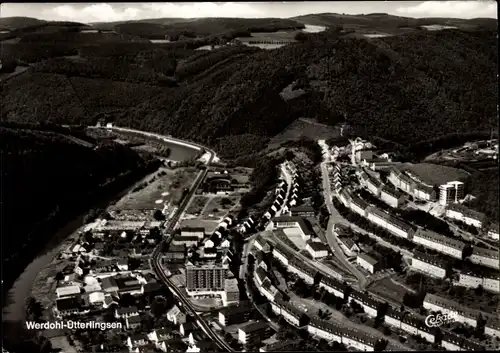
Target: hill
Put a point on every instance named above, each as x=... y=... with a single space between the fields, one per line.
x=389 y=24
x=11 y=23
x=407 y=89
x=48 y=176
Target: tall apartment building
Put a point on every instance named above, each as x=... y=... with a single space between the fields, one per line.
x=206 y=277
x=451 y=192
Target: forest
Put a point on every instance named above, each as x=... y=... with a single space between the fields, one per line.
x=402 y=88
x=48 y=177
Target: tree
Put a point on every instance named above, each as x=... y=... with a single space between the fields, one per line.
x=59 y=276
x=158 y=215
x=158 y=307
x=127 y=300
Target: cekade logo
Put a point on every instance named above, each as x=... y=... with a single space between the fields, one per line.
x=440 y=319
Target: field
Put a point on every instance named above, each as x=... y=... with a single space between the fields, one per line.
x=435 y=174
x=209 y=226
x=304 y=128
x=218 y=206
x=197 y=205
x=388 y=289
x=166 y=186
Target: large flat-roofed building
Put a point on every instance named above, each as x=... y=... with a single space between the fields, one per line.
x=198 y=232
x=205 y=277
x=439 y=242
x=464 y=315
x=294 y=222
x=451 y=192
x=466 y=215
x=368 y=263
x=388 y=222
x=316 y=249
x=485 y=257
x=431 y=265
x=391 y=197
x=254 y=331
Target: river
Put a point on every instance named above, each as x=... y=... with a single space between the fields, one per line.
x=14 y=310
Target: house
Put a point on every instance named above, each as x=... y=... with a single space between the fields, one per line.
x=260 y=275
x=466 y=215
x=269 y=291
x=325 y=330
x=308 y=274
x=290 y=313
x=316 y=249
x=67 y=291
x=129 y=285
x=186 y=328
x=133 y=322
x=409 y=323
x=96 y=298
x=254 y=331
x=369 y=304
x=159 y=336
x=358 y=340
x=109 y=285
x=391 y=197
x=108 y=301
x=451 y=341
x=281 y=254
x=462 y=314
x=492 y=327
x=485 y=257
x=188 y=241
x=302 y=211
x=348 y=246
x=368 y=263
x=493 y=231
x=259 y=242
x=233 y=315
x=175 y=253
x=68 y=306
x=137 y=340
x=333 y=286
x=358 y=205
x=431 y=265
x=438 y=242
x=260 y=260
x=122 y=264
x=388 y=222
x=198 y=232
x=394 y=317
x=176 y=316
x=126 y=312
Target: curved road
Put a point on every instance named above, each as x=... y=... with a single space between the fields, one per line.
x=156 y=256
x=332 y=239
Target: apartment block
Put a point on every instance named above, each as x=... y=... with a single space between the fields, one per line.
x=492 y=328
x=439 y=242
x=333 y=286
x=369 y=304
x=391 y=197
x=368 y=263
x=451 y=192
x=358 y=205
x=394 y=317
x=464 y=315
x=305 y=272
x=466 y=215
x=325 y=330
x=254 y=331
x=429 y=264
x=493 y=231
x=205 y=277
x=388 y=222
x=485 y=257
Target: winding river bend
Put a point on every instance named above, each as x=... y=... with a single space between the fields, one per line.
x=14 y=310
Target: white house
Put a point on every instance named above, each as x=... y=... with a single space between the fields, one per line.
x=369 y=305
x=394 y=318
x=439 y=242
x=333 y=286
x=391 y=197
x=367 y=262
x=359 y=340
x=428 y=264
x=485 y=257
x=493 y=231
x=96 y=298
x=466 y=215
x=348 y=246
x=176 y=316
x=462 y=314
x=325 y=330
x=317 y=249
x=280 y=255
x=388 y=222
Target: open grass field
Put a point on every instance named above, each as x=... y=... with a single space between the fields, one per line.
x=165 y=186
x=207 y=224
x=388 y=289
x=304 y=128
x=197 y=205
x=435 y=174
x=219 y=206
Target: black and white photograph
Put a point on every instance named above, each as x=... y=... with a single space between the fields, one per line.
x=309 y=176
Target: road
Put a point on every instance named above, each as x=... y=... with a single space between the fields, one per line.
x=156 y=256
x=334 y=218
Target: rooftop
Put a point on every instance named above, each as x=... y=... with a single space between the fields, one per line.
x=466 y=211
x=390 y=219
x=492 y=254
x=368 y=259
x=438 y=238
x=317 y=246
x=250 y=327
x=431 y=259
x=434 y=174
